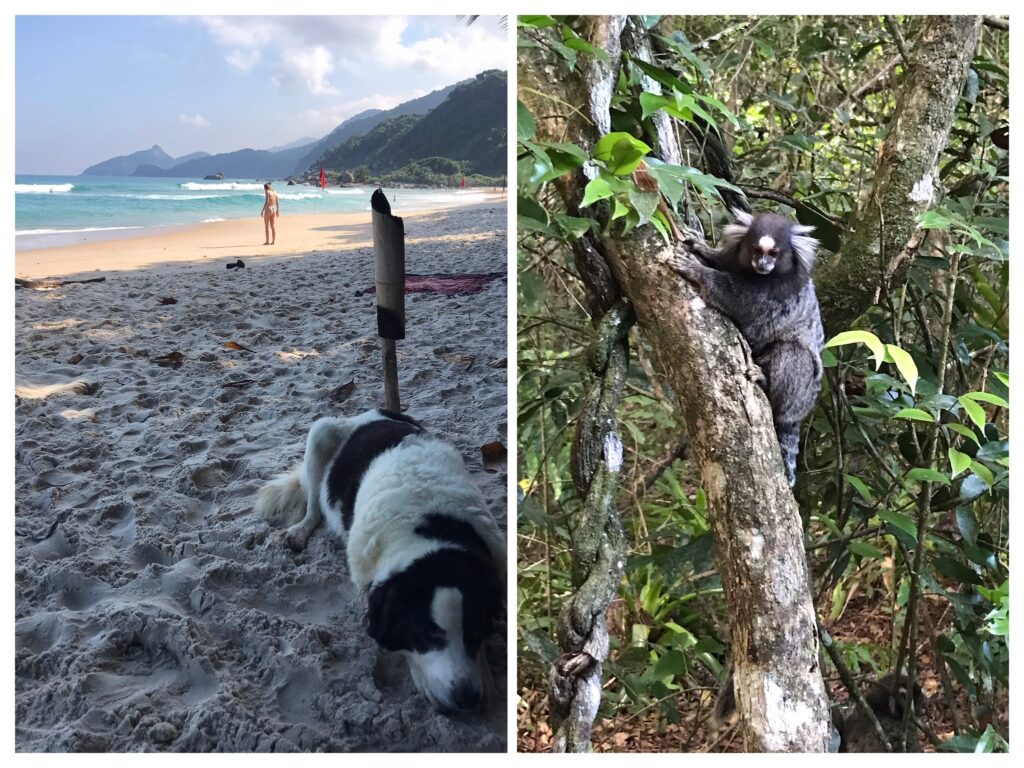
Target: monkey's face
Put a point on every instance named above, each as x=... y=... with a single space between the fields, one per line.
x=764 y=255
x=767 y=247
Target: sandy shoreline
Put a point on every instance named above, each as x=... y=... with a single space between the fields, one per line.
x=153 y=611
x=228 y=240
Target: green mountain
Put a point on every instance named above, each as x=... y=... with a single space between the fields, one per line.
x=464 y=122
x=468 y=126
x=242 y=164
x=364 y=122
x=125 y=165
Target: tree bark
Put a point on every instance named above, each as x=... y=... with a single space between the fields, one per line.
x=881 y=235
x=779 y=690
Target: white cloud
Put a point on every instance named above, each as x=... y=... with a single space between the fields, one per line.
x=306 y=51
x=243 y=61
x=197 y=121
x=310 y=67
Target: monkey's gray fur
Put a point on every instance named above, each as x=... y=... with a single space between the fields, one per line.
x=886 y=698
x=760 y=278
x=852 y=731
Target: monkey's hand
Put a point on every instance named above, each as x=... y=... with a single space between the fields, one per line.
x=684 y=264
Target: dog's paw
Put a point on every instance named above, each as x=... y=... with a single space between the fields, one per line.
x=294 y=540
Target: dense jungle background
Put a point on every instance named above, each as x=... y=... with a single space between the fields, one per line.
x=909 y=440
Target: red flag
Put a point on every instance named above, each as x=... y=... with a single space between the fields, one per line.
x=323 y=183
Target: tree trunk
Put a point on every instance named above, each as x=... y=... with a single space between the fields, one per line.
x=881 y=237
x=779 y=690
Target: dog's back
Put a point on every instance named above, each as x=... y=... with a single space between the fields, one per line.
x=342 y=471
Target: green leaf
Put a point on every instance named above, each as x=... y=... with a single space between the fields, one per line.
x=983 y=472
x=905 y=364
x=620 y=152
x=620 y=209
x=565 y=52
x=974 y=411
x=860 y=337
x=958 y=462
x=536 y=21
x=525 y=126
x=927 y=474
x=859 y=486
x=916 y=414
x=658 y=220
x=967 y=432
x=597 y=189
x=866 y=550
x=933 y=220
x=986 y=397
x=954 y=569
x=900 y=521
x=672 y=664
x=573 y=227
x=662 y=76
x=531 y=209
x=577 y=43
x=644 y=203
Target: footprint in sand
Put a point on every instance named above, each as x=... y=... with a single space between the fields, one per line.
x=217 y=474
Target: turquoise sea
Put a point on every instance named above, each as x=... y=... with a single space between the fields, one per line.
x=60 y=210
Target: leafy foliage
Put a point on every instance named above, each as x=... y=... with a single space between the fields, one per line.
x=908 y=447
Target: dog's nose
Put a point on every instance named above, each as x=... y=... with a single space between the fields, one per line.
x=466 y=696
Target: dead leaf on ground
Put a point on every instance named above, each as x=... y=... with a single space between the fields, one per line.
x=168 y=300
x=493 y=453
x=341 y=393
x=75 y=359
x=239 y=383
x=170 y=360
x=458 y=358
x=503 y=363
x=236 y=345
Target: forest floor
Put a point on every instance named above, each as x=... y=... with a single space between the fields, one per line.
x=866 y=620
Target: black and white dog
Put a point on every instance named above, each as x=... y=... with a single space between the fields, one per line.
x=419 y=539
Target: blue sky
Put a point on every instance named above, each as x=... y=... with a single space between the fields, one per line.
x=88 y=88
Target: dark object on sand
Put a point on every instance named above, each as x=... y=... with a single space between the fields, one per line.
x=170 y=360
x=40 y=285
x=239 y=264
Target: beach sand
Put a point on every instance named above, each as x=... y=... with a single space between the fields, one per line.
x=153 y=610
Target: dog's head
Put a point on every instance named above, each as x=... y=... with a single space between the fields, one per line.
x=439 y=610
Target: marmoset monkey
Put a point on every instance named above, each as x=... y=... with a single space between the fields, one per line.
x=851 y=728
x=760 y=277
x=886 y=698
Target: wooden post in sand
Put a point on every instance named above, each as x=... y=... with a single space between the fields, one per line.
x=389 y=254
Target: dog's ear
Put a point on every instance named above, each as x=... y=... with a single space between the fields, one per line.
x=381 y=615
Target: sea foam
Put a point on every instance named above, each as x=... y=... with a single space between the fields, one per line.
x=236 y=185
x=41 y=189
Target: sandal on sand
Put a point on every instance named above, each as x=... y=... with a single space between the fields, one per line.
x=239 y=264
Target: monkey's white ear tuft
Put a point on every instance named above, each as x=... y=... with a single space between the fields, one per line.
x=733 y=233
x=802 y=229
x=804 y=249
x=741 y=217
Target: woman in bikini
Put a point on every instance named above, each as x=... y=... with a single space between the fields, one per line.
x=271 y=210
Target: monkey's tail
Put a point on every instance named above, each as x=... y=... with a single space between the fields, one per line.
x=789 y=444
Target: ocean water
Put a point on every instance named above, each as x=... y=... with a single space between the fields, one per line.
x=58 y=210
